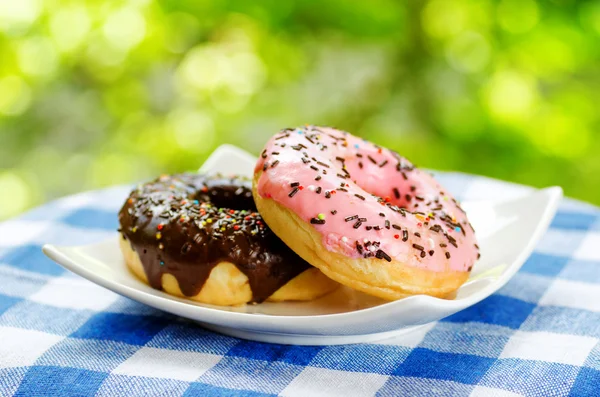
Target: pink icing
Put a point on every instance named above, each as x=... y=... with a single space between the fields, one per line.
x=303 y=167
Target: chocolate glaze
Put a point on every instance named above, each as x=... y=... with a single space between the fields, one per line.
x=186 y=224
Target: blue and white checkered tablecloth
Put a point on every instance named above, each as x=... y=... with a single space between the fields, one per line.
x=62 y=335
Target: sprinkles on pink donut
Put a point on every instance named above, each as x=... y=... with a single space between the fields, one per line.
x=366 y=202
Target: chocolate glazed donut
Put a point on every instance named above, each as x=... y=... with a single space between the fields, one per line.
x=185 y=225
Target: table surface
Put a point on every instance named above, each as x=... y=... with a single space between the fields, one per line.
x=62 y=335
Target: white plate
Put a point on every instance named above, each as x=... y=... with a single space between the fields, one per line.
x=507 y=233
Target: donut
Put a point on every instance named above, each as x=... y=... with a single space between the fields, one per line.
x=200 y=237
x=363 y=214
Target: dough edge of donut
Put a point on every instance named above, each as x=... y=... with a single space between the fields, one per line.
x=228 y=286
x=388 y=280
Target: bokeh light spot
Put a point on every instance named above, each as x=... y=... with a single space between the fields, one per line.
x=101 y=53
x=223 y=74
x=469 y=52
x=443 y=18
x=560 y=134
x=192 y=130
x=226 y=100
x=125 y=28
x=37 y=57
x=518 y=16
x=552 y=51
x=18 y=15
x=69 y=27
x=15 y=95
x=16 y=194
x=200 y=68
x=511 y=95
x=112 y=168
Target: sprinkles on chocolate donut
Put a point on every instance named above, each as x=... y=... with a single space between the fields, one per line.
x=186 y=225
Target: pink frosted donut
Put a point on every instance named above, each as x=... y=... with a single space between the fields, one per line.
x=363 y=214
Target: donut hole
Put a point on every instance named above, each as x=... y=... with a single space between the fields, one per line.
x=226 y=197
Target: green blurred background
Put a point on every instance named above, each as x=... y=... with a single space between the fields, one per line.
x=96 y=93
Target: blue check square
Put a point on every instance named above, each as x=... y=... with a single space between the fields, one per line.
x=462 y=368
x=587 y=383
x=60 y=381
x=92 y=218
x=31 y=258
x=496 y=309
x=6 y=302
x=544 y=265
x=572 y=220
x=135 y=330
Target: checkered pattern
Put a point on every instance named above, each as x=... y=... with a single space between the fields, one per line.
x=62 y=335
